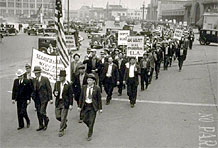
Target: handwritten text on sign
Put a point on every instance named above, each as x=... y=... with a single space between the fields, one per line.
x=135 y=46
x=47 y=64
x=122 y=37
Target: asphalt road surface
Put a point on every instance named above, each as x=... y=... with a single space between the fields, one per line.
x=179 y=110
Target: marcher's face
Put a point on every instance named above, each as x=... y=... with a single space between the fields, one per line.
x=90 y=81
x=132 y=61
x=62 y=79
x=37 y=74
x=28 y=69
x=20 y=77
x=110 y=60
x=93 y=53
x=120 y=55
x=81 y=71
x=76 y=58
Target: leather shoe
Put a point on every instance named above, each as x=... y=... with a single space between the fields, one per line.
x=40 y=128
x=61 y=134
x=46 y=124
x=19 y=128
x=89 y=138
x=80 y=121
x=28 y=125
x=132 y=105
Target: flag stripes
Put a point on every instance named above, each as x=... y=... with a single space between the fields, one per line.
x=61 y=40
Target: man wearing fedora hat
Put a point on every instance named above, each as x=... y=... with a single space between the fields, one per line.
x=89 y=103
x=21 y=93
x=64 y=100
x=42 y=94
x=79 y=80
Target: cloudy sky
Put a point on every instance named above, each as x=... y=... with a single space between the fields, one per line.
x=131 y=4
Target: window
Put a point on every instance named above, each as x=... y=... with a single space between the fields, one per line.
x=2 y=12
x=32 y=0
x=18 y=5
x=26 y=12
x=32 y=5
x=10 y=4
x=18 y=12
x=32 y=12
x=25 y=5
x=11 y=12
x=208 y=32
x=25 y=0
x=2 y=4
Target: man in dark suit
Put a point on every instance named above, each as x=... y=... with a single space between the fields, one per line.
x=90 y=102
x=21 y=94
x=42 y=94
x=110 y=77
x=131 y=79
x=79 y=80
x=74 y=65
x=145 y=69
x=64 y=100
x=120 y=62
x=103 y=59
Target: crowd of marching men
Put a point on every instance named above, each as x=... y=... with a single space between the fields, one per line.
x=91 y=76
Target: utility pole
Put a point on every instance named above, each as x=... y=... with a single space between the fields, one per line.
x=68 y=16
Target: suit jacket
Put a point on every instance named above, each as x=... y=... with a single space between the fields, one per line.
x=90 y=67
x=44 y=92
x=67 y=94
x=114 y=73
x=122 y=68
x=76 y=84
x=136 y=73
x=76 y=69
x=21 y=92
x=96 y=98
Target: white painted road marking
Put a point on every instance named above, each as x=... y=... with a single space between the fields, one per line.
x=161 y=102
x=165 y=102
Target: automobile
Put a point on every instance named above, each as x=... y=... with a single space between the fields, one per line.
x=4 y=32
x=208 y=36
x=11 y=30
x=50 y=32
x=43 y=43
x=97 y=40
x=41 y=31
x=91 y=29
x=32 y=31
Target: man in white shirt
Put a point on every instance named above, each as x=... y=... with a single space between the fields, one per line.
x=110 y=77
x=131 y=79
x=63 y=92
x=90 y=102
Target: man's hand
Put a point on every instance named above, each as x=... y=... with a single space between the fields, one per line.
x=51 y=101
x=118 y=83
x=79 y=109
x=56 y=93
x=28 y=102
x=13 y=101
x=100 y=111
x=71 y=107
x=124 y=82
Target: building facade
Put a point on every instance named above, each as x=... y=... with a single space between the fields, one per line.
x=26 y=8
x=134 y=14
x=195 y=9
x=113 y=11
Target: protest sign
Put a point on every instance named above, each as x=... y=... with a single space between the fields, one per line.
x=135 y=46
x=122 y=37
x=178 y=34
x=70 y=42
x=48 y=65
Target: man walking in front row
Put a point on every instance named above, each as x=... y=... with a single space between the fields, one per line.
x=90 y=102
x=42 y=94
x=64 y=100
x=21 y=94
x=131 y=79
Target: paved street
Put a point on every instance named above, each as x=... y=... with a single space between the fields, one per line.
x=179 y=110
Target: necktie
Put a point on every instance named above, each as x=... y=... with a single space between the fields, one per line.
x=90 y=94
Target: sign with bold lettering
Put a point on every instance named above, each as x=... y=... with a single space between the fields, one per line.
x=122 y=37
x=47 y=64
x=135 y=46
x=178 y=34
x=70 y=42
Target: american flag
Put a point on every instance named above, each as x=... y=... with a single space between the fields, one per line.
x=61 y=41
